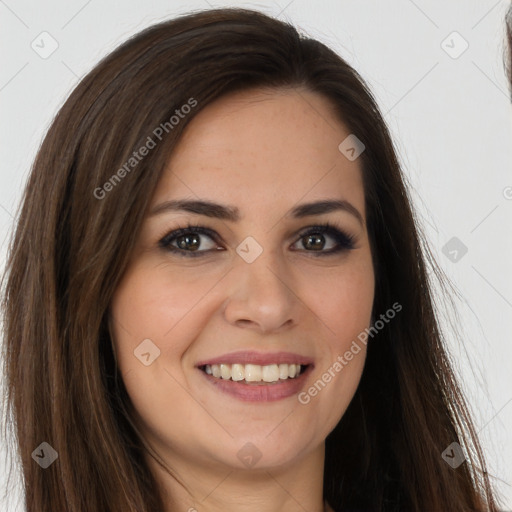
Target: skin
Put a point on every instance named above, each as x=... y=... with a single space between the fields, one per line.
x=263 y=151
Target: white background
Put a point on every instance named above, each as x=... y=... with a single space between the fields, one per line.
x=450 y=117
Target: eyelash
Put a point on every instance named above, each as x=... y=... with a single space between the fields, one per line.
x=345 y=241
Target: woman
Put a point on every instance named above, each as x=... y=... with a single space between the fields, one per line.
x=171 y=343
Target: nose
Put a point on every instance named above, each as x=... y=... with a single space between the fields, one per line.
x=262 y=296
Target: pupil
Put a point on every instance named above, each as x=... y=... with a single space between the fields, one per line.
x=316 y=243
x=186 y=239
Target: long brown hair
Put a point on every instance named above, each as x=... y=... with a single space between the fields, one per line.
x=74 y=238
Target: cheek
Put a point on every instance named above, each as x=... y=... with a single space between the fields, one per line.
x=344 y=309
x=343 y=302
x=151 y=303
x=165 y=307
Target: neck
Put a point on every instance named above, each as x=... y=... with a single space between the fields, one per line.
x=196 y=486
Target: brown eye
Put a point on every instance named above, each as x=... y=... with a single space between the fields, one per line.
x=187 y=241
x=314 y=240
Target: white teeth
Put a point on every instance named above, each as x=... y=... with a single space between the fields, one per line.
x=270 y=373
x=225 y=371
x=237 y=372
x=253 y=372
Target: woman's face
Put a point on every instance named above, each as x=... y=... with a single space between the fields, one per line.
x=253 y=293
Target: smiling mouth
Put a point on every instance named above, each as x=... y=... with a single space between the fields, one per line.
x=253 y=373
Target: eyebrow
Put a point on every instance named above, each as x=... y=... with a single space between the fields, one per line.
x=232 y=213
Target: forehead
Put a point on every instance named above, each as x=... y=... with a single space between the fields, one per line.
x=263 y=148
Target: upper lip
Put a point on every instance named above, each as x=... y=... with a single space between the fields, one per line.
x=259 y=358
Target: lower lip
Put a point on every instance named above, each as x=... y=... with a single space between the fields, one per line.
x=260 y=392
